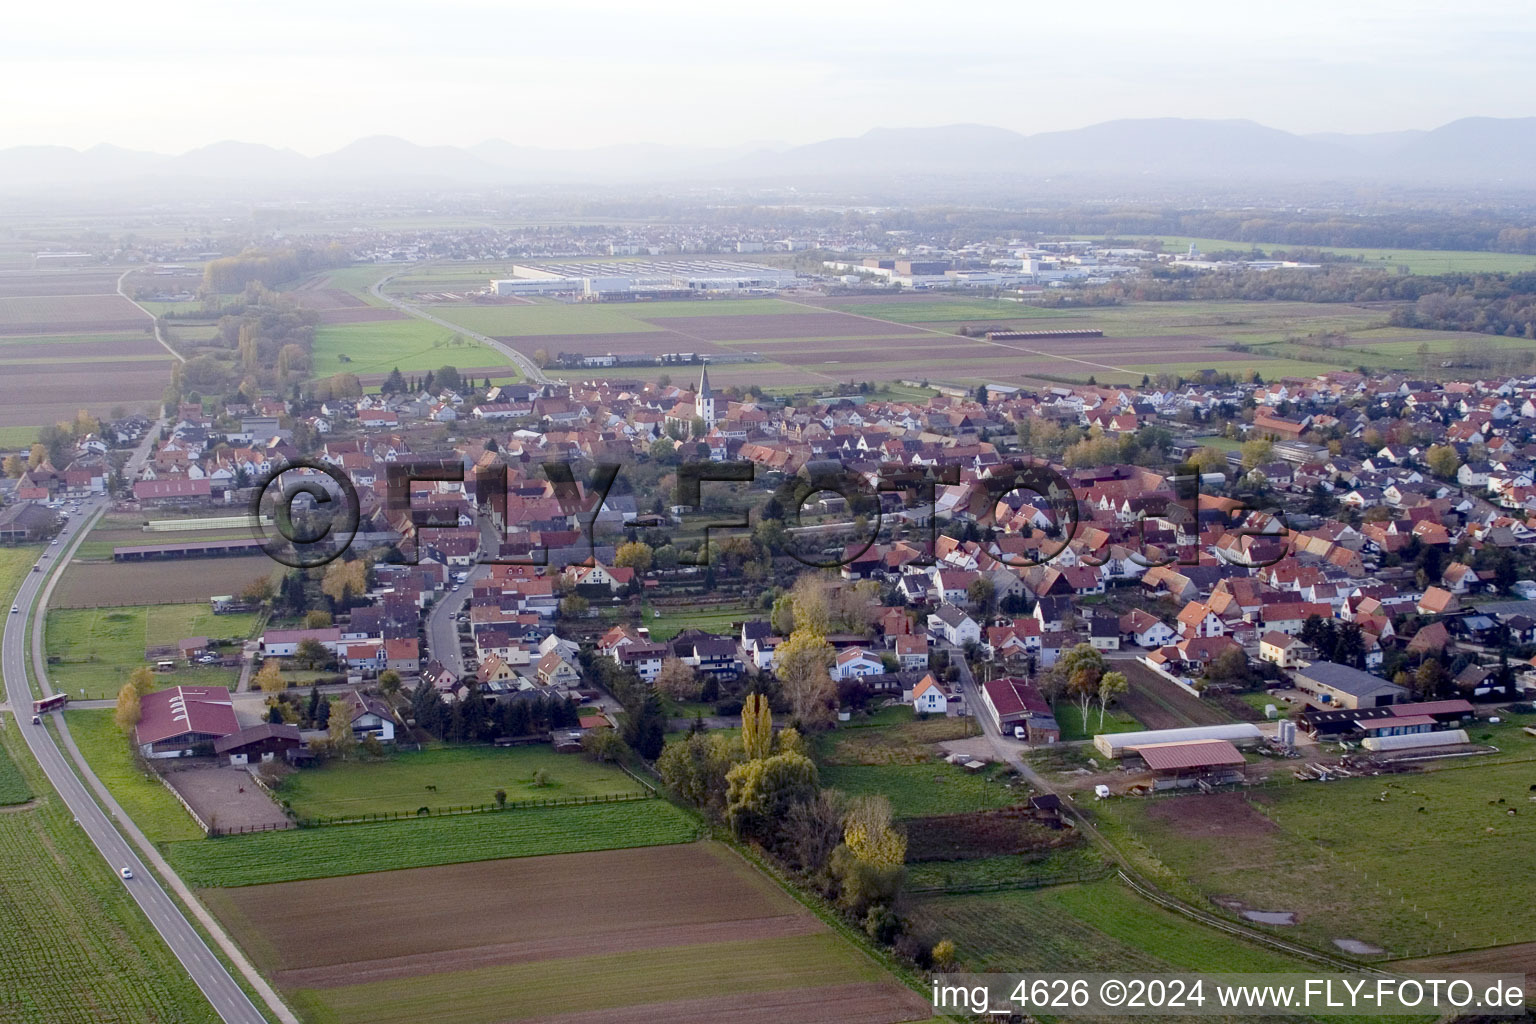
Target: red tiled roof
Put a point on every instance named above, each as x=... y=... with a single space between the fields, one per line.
x=1189 y=754
x=206 y=710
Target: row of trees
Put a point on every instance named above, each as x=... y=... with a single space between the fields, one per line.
x=764 y=787
x=473 y=719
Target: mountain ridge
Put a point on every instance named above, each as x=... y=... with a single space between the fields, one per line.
x=1473 y=149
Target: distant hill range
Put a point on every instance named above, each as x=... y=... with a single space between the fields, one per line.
x=1481 y=150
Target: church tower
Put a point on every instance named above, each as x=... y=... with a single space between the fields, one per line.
x=705 y=404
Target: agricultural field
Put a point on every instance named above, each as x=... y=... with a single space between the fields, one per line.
x=173 y=581
x=1350 y=858
x=458 y=777
x=77 y=948
x=841 y=339
x=385 y=846
x=922 y=310
x=15 y=563
x=1158 y=704
x=94 y=650
x=676 y=926
x=99 y=352
x=13 y=785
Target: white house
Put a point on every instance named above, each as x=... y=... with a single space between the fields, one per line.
x=856 y=663
x=954 y=626
x=929 y=698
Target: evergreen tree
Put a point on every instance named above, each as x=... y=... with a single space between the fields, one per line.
x=393 y=384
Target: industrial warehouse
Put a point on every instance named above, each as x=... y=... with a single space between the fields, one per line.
x=643 y=278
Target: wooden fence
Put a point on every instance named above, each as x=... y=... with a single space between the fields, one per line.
x=327 y=821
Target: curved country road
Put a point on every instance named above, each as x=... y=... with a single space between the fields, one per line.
x=528 y=367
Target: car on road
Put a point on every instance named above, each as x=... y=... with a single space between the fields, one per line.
x=37 y=568
x=37 y=719
x=127 y=873
x=14 y=609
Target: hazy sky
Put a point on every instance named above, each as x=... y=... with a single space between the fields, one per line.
x=312 y=76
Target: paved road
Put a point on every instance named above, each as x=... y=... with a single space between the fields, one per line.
x=529 y=368
x=1008 y=750
x=227 y=997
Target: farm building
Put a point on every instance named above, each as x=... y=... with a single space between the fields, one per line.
x=1118 y=744
x=1013 y=702
x=1344 y=722
x=174 y=491
x=187 y=549
x=1190 y=762
x=23 y=522
x=1345 y=687
x=1415 y=741
x=178 y=721
x=264 y=742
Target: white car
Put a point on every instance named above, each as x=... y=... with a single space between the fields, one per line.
x=15 y=609
x=126 y=872
x=1019 y=733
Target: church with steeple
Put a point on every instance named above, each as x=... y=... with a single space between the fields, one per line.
x=704 y=404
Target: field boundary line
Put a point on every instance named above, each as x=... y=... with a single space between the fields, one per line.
x=153 y=319
x=983 y=340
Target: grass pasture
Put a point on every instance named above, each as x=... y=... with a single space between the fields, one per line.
x=461 y=776
x=1094 y=926
x=297 y=854
x=412 y=345
x=923 y=790
x=110 y=754
x=676 y=928
x=77 y=949
x=1075 y=727
x=1415 y=864
x=97 y=648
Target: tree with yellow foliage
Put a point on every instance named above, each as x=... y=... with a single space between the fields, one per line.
x=142 y=679
x=270 y=678
x=801 y=664
x=868 y=833
x=128 y=709
x=756 y=727
x=344 y=579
